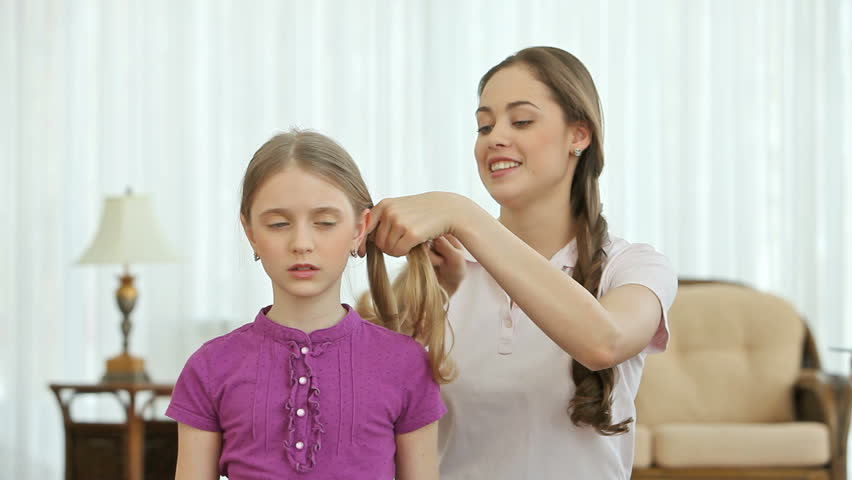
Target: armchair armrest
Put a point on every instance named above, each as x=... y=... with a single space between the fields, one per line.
x=814 y=398
x=825 y=398
x=843 y=393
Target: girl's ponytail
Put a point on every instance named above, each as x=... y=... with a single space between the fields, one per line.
x=415 y=305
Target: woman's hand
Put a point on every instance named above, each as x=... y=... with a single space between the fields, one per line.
x=399 y=224
x=447 y=255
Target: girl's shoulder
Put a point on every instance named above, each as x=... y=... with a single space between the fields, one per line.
x=233 y=341
x=388 y=345
x=373 y=333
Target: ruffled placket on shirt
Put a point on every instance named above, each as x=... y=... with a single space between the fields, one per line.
x=302 y=452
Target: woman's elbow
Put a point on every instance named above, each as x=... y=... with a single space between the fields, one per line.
x=602 y=352
x=598 y=359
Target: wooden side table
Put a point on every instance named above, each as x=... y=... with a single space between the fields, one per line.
x=137 y=449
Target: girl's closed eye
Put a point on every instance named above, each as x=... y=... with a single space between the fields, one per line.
x=522 y=123
x=326 y=220
x=279 y=224
x=484 y=130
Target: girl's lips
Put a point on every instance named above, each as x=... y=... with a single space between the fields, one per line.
x=303 y=270
x=303 y=274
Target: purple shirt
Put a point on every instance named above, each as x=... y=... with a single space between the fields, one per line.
x=325 y=405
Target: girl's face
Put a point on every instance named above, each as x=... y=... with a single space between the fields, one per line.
x=523 y=144
x=303 y=228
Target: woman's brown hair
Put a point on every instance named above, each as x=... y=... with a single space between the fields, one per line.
x=422 y=314
x=573 y=89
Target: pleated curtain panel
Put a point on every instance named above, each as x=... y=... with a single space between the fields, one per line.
x=728 y=148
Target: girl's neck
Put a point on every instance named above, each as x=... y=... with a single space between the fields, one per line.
x=545 y=224
x=306 y=313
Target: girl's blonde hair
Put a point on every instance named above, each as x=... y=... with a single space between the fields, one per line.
x=418 y=308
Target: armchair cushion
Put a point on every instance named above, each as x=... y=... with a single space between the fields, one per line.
x=794 y=444
x=642 y=452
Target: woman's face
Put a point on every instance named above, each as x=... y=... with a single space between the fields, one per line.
x=524 y=144
x=303 y=228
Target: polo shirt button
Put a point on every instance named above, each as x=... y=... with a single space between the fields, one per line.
x=507 y=322
x=300 y=445
x=300 y=412
x=305 y=350
x=303 y=380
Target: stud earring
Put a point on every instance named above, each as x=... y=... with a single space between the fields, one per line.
x=578 y=152
x=353 y=253
x=256 y=257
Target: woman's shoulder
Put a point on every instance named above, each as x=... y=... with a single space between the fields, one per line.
x=620 y=252
x=638 y=263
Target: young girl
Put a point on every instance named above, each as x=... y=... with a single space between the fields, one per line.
x=310 y=389
x=553 y=316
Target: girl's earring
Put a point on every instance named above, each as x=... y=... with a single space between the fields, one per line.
x=256 y=257
x=353 y=253
x=578 y=152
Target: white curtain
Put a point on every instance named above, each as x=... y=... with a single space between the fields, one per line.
x=729 y=148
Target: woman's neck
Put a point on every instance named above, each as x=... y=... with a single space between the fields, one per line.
x=307 y=313
x=545 y=224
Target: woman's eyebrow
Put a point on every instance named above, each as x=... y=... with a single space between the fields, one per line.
x=509 y=106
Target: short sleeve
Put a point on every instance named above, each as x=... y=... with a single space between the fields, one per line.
x=191 y=402
x=422 y=403
x=642 y=265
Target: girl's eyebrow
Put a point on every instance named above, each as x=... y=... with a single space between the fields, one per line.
x=315 y=211
x=509 y=106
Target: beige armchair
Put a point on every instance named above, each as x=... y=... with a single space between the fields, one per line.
x=739 y=393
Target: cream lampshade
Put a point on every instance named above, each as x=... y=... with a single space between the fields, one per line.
x=128 y=233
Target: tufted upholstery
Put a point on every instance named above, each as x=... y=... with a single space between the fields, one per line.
x=723 y=400
x=734 y=356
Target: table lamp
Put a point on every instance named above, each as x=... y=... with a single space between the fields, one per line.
x=128 y=233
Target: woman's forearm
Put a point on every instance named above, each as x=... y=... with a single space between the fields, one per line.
x=566 y=312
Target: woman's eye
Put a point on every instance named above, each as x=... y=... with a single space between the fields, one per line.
x=326 y=224
x=279 y=225
x=484 y=130
x=522 y=123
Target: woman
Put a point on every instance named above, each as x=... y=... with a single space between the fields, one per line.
x=552 y=315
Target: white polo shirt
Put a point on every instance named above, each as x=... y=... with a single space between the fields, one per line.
x=507 y=414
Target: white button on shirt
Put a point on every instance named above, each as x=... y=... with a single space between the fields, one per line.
x=300 y=445
x=507 y=330
x=507 y=414
x=303 y=380
x=300 y=412
x=305 y=350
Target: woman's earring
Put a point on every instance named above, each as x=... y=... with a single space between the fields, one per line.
x=256 y=257
x=353 y=253
x=578 y=152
